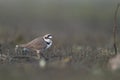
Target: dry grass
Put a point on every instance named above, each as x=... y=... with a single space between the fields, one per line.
x=63 y=61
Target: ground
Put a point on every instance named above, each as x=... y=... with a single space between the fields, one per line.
x=59 y=63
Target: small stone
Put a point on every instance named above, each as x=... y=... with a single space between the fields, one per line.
x=42 y=63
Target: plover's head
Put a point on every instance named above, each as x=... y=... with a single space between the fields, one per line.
x=47 y=36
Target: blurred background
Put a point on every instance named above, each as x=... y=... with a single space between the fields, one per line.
x=73 y=24
x=82 y=21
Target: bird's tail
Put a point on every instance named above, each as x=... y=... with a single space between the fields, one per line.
x=19 y=46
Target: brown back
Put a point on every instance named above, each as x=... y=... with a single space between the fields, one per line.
x=36 y=44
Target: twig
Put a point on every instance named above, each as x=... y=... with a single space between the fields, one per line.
x=115 y=29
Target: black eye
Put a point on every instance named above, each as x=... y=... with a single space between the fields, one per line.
x=46 y=37
x=49 y=35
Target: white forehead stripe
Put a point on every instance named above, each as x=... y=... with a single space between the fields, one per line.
x=50 y=36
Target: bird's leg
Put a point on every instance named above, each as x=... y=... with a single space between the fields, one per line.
x=43 y=56
x=38 y=54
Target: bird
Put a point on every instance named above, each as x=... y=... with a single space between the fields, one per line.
x=39 y=44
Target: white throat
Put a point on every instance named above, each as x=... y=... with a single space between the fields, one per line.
x=48 y=41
